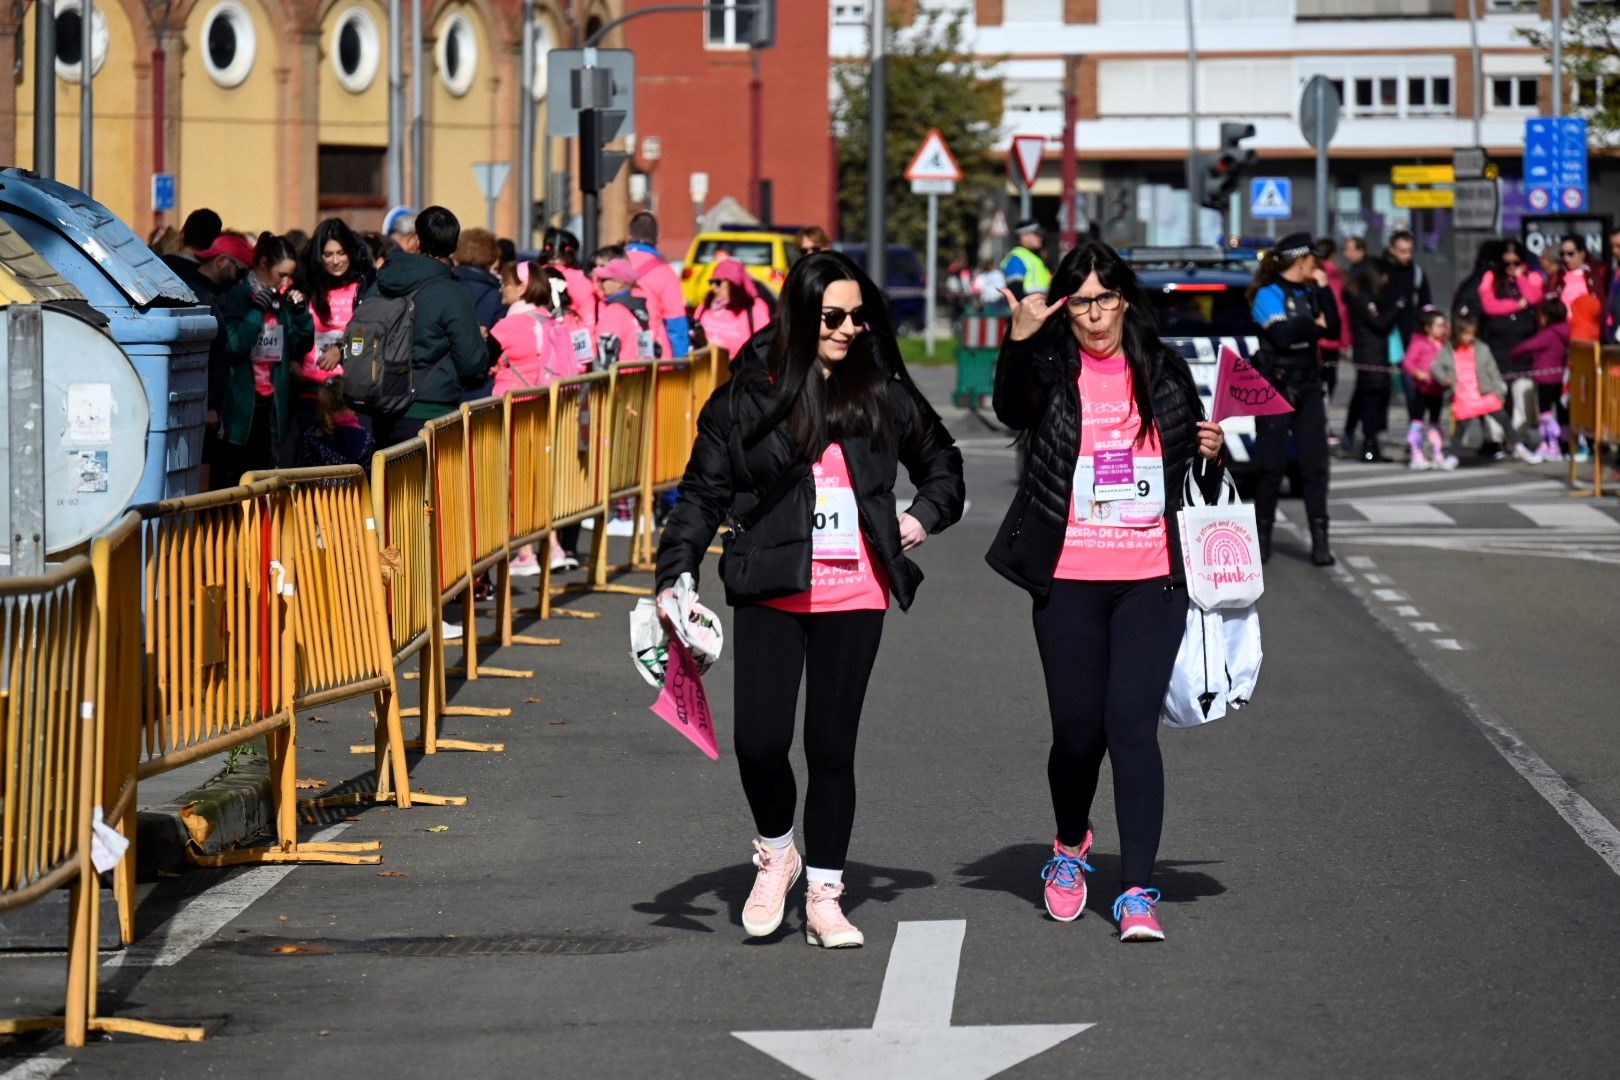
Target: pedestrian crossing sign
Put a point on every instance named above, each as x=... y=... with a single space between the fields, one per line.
x=1271 y=197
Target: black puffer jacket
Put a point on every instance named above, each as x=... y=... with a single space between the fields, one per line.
x=1373 y=314
x=1037 y=391
x=726 y=477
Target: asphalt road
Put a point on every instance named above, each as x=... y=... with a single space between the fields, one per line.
x=1356 y=880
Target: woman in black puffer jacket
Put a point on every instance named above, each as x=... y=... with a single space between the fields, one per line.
x=798 y=454
x=1103 y=406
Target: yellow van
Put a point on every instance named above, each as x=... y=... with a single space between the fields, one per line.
x=766 y=254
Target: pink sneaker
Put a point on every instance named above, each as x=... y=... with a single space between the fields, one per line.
x=1065 y=877
x=1133 y=910
x=778 y=870
x=824 y=922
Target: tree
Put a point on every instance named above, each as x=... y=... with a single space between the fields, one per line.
x=1591 y=60
x=932 y=83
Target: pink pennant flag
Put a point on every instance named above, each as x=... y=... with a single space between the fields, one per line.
x=1240 y=390
x=682 y=704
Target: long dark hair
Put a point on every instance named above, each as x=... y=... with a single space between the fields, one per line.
x=1148 y=357
x=1271 y=267
x=318 y=284
x=1502 y=283
x=853 y=400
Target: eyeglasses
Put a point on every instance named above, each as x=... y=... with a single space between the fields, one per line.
x=1108 y=301
x=1568 y=253
x=1512 y=262
x=809 y=249
x=833 y=318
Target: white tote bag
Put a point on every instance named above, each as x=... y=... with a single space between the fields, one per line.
x=1216 y=668
x=1220 y=548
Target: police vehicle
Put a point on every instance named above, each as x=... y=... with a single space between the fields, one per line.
x=1199 y=296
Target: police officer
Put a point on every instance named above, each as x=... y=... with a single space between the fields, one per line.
x=1023 y=268
x=1294 y=309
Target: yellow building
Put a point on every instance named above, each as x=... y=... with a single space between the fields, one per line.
x=275 y=112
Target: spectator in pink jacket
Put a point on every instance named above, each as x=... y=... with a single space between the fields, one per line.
x=658 y=283
x=1546 y=352
x=732 y=313
x=561 y=250
x=1508 y=294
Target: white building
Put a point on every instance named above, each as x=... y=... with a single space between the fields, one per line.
x=1403 y=67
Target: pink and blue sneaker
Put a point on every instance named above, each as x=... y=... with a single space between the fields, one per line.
x=1133 y=910
x=1065 y=877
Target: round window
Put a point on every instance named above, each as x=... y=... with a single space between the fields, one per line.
x=356 y=50
x=228 y=43
x=458 y=54
x=70 y=40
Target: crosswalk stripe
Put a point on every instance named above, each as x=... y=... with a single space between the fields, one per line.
x=1567 y=515
x=1383 y=512
x=1391 y=480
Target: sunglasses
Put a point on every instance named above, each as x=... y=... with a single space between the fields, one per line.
x=833 y=318
x=1569 y=254
x=1512 y=262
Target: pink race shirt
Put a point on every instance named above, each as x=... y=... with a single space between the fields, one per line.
x=843 y=574
x=1116 y=528
x=266 y=354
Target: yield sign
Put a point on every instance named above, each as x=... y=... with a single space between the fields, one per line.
x=934 y=160
x=1025 y=158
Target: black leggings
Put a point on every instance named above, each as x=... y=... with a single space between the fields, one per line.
x=834 y=652
x=1108 y=648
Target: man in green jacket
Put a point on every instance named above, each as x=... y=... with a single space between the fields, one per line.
x=1023 y=268
x=448 y=352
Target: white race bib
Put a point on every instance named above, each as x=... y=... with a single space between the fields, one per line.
x=835 y=536
x=1142 y=509
x=644 y=344
x=581 y=340
x=268 y=348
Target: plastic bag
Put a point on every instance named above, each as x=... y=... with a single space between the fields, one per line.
x=1217 y=666
x=698 y=628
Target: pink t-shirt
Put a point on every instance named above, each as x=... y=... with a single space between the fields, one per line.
x=843 y=574
x=1108 y=538
x=266 y=354
x=340 y=304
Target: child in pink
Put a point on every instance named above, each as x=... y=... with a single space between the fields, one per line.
x=1425 y=398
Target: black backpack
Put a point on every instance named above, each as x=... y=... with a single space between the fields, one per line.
x=377 y=376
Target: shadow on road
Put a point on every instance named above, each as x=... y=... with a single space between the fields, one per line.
x=679 y=907
x=1016 y=869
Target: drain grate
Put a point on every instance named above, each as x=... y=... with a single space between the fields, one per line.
x=558 y=944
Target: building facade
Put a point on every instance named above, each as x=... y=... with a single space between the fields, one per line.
x=1403 y=67
x=275 y=112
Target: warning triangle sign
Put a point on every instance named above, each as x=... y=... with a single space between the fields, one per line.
x=934 y=160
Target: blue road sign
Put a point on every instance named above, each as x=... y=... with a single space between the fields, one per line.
x=1271 y=197
x=1555 y=174
x=163 y=192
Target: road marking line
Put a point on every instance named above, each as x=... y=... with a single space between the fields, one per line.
x=207 y=913
x=1407 y=611
x=1391 y=480
x=1380 y=512
x=1596 y=831
x=1448 y=643
x=40 y=1068
x=1390 y=596
x=1426 y=627
x=1360 y=562
x=1378 y=579
x=1495 y=493
x=1567 y=515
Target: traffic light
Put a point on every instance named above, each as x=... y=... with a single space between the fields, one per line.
x=598 y=166
x=1222 y=173
x=756 y=23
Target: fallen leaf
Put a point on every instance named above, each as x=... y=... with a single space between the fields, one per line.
x=438 y=828
x=310 y=785
x=281 y=918
x=199 y=827
x=316 y=719
x=324 y=1031
x=351 y=817
x=558 y=723
x=531 y=701
x=392 y=873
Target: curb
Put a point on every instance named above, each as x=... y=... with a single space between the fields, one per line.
x=225 y=811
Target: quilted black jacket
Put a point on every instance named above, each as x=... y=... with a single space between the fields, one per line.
x=726 y=477
x=1037 y=392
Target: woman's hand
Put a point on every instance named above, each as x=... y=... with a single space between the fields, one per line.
x=1320 y=277
x=912 y=534
x=1210 y=439
x=329 y=358
x=1030 y=313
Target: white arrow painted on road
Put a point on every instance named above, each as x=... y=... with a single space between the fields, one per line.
x=912 y=1033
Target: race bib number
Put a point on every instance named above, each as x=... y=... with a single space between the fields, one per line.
x=836 y=526
x=644 y=344
x=1141 y=508
x=1114 y=475
x=581 y=340
x=268 y=347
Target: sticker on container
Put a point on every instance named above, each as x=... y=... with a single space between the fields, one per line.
x=89 y=413
x=89 y=471
x=357 y=345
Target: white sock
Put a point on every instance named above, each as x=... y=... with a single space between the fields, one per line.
x=778 y=843
x=828 y=877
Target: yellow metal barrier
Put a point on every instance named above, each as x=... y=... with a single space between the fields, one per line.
x=578 y=461
x=51 y=752
x=116 y=556
x=340 y=642
x=402 y=501
x=1594 y=406
x=530 y=474
x=627 y=451
x=674 y=429
x=215 y=646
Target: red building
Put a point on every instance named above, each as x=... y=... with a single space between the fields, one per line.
x=698 y=104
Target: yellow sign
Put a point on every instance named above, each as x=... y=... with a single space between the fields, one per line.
x=1424 y=198
x=1422 y=174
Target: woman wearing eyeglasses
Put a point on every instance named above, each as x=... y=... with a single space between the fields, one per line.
x=1112 y=423
x=798 y=455
x=1508 y=296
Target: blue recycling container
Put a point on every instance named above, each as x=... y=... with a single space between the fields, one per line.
x=150 y=311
